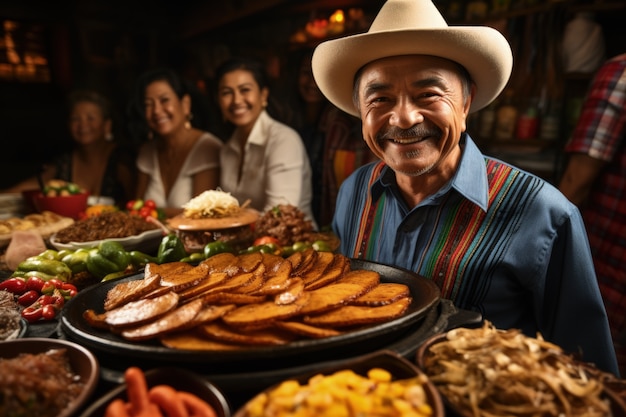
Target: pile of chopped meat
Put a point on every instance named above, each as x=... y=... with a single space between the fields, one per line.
x=108 y=225
x=39 y=385
x=10 y=318
x=286 y=223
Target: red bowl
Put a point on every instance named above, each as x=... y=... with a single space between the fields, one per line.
x=68 y=206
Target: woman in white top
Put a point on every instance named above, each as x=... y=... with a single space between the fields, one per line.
x=263 y=161
x=180 y=161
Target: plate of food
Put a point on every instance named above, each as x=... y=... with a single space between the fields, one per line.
x=176 y=380
x=214 y=215
x=382 y=383
x=132 y=232
x=490 y=371
x=63 y=375
x=243 y=323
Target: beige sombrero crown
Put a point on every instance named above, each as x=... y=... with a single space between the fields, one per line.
x=408 y=27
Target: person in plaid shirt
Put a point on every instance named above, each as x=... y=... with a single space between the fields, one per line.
x=595 y=180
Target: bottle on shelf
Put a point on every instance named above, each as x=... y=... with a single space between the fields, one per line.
x=528 y=121
x=506 y=118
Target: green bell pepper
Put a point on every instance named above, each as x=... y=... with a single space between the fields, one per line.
x=140 y=259
x=99 y=266
x=171 y=249
x=47 y=266
x=115 y=252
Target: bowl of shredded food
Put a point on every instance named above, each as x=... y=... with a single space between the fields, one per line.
x=492 y=372
x=45 y=377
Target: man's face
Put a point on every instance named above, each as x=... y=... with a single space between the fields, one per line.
x=413 y=113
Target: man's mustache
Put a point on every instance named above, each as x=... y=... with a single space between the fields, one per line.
x=394 y=132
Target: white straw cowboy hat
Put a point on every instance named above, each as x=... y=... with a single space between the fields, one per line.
x=409 y=27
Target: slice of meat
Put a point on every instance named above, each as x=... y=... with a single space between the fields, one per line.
x=291 y=293
x=177 y=319
x=185 y=278
x=127 y=291
x=263 y=313
x=169 y=268
x=222 y=262
x=366 y=278
x=213 y=280
x=309 y=257
x=255 y=283
x=248 y=262
x=189 y=340
x=384 y=293
x=141 y=311
x=306 y=330
x=272 y=262
x=234 y=282
x=277 y=281
x=333 y=272
x=222 y=298
x=322 y=262
x=209 y=313
x=222 y=333
x=359 y=315
x=332 y=296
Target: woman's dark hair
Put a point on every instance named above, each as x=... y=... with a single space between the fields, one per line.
x=251 y=65
x=137 y=125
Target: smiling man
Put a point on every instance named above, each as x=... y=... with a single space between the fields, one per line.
x=495 y=239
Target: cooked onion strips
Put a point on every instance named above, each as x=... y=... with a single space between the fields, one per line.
x=488 y=372
x=211 y=204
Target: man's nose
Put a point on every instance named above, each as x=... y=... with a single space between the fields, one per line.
x=406 y=114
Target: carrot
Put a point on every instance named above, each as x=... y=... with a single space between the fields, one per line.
x=158 y=401
x=117 y=408
x=195 y=406
x=166 y=398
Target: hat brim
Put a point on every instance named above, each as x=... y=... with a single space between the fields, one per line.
x=482 y=50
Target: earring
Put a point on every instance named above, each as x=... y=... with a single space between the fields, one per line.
x=188 y=121
x=108 y=137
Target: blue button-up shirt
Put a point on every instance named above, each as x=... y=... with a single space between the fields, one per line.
x=495 y=239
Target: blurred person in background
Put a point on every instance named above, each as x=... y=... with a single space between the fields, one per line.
x=332 y=138
x=595 y=180
x=264 y=161
x=97 y=162
x=176 y=160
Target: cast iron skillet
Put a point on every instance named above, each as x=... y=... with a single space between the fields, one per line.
x=425 y=295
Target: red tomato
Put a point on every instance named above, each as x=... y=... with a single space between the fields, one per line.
x=145 y=211
x=130 y=204
x=265 y=240
x=28 y=297
x=150 y=204
x=48 y=312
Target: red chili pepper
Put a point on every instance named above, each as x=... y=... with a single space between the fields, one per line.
x=28 y=298
x=48 y=288
x=45 y=299
x=32 y=313
x=58 y=300
x=48 y=312
x=56 y=282
x=35 y=283
x=16 y=285
x=68 y=286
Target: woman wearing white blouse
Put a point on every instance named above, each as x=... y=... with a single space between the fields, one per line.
x=263 y=161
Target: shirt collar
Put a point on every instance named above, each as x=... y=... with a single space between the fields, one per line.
x=256 y=134
x=470 y=179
